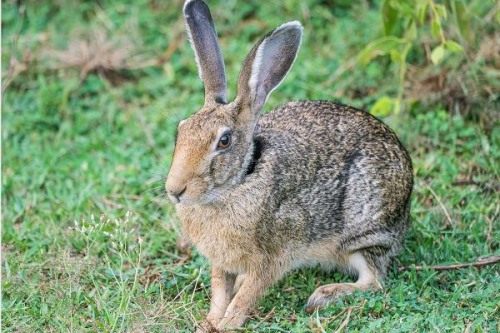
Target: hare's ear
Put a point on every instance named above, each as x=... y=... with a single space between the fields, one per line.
x=204 y=41
x=267 y=65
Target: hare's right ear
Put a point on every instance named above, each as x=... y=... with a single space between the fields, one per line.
x=204 y=41
x=267 y=65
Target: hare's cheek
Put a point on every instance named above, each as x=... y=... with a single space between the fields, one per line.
x=223 y=175
x=196 y=188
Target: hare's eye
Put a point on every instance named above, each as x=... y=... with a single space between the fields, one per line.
x=224 y=141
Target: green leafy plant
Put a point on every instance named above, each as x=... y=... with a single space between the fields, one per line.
x=403 y=21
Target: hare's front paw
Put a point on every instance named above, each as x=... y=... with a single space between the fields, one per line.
x=206 y=327
x=215 y=316
x=232 y=319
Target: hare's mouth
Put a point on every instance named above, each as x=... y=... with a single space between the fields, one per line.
x=210 y=197
x=213 y=196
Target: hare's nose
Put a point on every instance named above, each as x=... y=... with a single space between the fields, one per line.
x=175 y=193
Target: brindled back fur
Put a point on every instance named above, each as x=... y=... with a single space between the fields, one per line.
x=311 y=182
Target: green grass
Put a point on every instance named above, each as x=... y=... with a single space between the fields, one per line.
x=75 y=149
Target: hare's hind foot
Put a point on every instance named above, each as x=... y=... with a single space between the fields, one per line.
x=367 y=280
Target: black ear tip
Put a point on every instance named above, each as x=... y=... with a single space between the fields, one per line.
x=293 y=30
x=195 y=6
x=293 y=26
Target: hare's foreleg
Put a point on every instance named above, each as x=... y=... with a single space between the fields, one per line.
x=252 y=288
x=222 y=288
x=367 y=279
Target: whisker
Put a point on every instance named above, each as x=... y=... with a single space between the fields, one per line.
x=153 y=189
x=157 y=173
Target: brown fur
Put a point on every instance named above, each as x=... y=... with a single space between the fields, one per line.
x=310 y=183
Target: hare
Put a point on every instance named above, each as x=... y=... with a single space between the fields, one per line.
x=309 y=183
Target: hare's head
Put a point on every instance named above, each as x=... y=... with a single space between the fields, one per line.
x=214 y=146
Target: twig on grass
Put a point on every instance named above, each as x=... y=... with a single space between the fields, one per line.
x=345 y=321
x=268 y=315
x=484 y=187
x=478 y=263
x=318 y=323
x=465 y=182
x=434 y=194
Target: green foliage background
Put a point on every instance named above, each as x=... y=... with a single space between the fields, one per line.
x=82 y=140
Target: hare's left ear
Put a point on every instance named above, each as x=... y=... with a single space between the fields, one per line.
x=204 y=41
x=267 y=65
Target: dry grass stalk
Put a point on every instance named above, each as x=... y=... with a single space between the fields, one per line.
x=97 y=52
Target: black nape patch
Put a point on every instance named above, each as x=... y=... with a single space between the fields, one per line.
x=257 y=153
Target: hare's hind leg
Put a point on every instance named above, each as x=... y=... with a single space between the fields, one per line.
x=367 y=279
